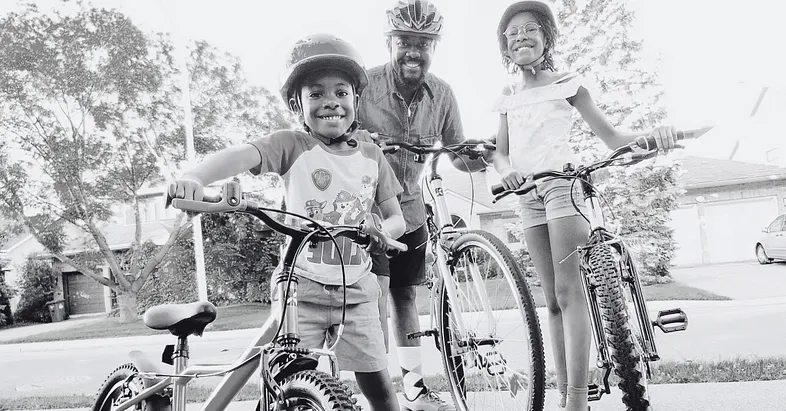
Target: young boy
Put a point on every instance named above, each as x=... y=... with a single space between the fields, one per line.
x=331 y=177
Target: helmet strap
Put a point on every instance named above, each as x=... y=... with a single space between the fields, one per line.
x=536 y=63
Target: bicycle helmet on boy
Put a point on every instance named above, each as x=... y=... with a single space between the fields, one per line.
x=319 y=51
x=414 y=17
x=521 y=7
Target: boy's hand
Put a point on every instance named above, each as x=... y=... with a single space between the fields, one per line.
x=187 y=188
x=376 y=244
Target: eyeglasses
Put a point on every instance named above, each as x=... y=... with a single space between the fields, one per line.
x=530 y=29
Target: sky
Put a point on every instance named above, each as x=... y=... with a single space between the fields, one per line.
x=712 y=60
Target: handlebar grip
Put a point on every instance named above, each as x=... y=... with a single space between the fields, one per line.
x=497 y=189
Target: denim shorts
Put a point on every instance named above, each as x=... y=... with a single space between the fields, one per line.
x=362 y=344
x=550 y=200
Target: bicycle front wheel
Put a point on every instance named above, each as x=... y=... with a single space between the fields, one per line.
x=489 y=333
x=317 y=391
x=623 y=335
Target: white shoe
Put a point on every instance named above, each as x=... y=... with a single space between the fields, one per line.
x=428 y=401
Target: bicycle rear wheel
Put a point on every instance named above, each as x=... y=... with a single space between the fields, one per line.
x=123 y=384
x=485 y=330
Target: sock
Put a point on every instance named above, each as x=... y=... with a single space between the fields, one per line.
x=411 y=371
x=563 y=394
x=577 y=399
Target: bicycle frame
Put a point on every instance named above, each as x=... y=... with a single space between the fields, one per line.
x=259 y=351
x=446 y=232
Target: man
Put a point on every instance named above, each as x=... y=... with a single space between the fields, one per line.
x=404 y=102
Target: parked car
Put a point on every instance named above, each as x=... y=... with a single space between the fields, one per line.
x=772 y=244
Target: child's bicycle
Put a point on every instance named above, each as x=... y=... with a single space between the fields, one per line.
x=606 y=265
x=487 y=329
x=289 y=378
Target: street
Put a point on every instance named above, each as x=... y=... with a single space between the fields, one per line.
x=716 y=330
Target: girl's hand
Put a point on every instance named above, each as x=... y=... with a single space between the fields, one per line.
x=665 y=138
x=512 y=179
x=376 y=245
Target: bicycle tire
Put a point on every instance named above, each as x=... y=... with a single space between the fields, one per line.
x=628 y=364
x=114 y=385
x=317 y=390
x=454 y=363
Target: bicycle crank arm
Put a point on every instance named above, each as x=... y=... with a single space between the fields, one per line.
x=426 y=333
x=671 y=320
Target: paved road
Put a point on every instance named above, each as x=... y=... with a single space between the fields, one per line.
x=717 y=330
x=739 y=396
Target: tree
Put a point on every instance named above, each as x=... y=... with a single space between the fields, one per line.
x=595 y=42
x=91 y=115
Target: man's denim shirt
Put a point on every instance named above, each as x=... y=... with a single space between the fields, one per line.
x=433 y=116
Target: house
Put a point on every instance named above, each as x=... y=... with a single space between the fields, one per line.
x=724 y=208
x=82 y=294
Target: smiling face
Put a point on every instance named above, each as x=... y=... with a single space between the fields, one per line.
x=411 y=57
x=328 y=100
x=525 y=39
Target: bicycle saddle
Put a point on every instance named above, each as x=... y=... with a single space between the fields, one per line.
x=181 y=320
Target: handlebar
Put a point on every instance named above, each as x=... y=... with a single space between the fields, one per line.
x=626 y=152
x=231 y=200
x=388 y=145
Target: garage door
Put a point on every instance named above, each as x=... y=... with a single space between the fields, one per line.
x=687 y=235
x=84 y=295
x=733 y=227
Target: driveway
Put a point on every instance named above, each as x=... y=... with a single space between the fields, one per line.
x=739 y=281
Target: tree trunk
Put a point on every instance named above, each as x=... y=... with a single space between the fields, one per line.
x=127 y=306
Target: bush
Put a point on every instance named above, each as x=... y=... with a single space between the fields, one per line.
x=37 y=288
x=6 y=294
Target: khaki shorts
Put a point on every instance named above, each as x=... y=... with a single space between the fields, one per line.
x=549 y=201
x=362 y=344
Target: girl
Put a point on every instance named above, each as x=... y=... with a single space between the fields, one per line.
x=534 y=128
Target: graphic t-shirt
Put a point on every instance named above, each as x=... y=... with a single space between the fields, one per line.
x=335 y=187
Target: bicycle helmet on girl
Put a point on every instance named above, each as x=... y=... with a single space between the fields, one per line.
x=414 y=17
x=319 y=51
x=521 y=7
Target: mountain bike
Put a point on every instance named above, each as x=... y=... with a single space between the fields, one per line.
x=289 y=376
x=607 y=270
x=482 y=315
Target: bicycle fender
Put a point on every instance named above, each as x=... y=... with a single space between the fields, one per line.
x=144 y=364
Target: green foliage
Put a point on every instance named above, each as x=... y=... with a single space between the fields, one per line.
x=37 y=285
x=91 y=114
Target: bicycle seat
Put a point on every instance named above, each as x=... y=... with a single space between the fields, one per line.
x=181 y=320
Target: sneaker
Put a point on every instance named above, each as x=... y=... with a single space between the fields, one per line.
x=428 y=401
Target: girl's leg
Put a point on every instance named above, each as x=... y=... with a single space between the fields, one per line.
x=539 y=248
x=378 y=390
x=566 y=234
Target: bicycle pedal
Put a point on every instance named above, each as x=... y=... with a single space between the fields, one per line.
x=426 y=333
x=593 y=392
x=672 y=320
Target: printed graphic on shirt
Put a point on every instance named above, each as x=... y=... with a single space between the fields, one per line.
x=337 y=189
x=321 y=178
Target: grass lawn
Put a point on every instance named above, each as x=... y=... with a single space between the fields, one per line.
x=667 y=372
x=253 y=315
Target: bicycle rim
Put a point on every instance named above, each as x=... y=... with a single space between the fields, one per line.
x=497 y=361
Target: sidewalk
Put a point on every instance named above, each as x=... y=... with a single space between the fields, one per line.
x=737 y=396
x=30 y=330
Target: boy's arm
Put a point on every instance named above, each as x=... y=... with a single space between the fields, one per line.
x=224 y=164
x=393 y=219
